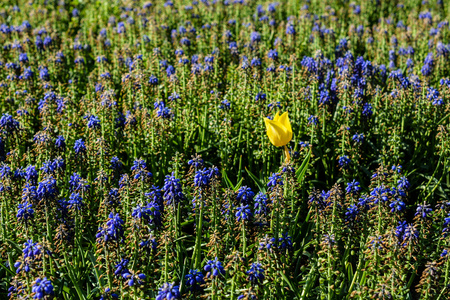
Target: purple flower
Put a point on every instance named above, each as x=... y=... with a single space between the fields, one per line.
x=204 y=177
x=273 y=54
x=150 y=213
x=75 y=201
x=79 y=147
x=290 y=29
x=173 y=192
x=406 y=233
x=256 y=62
x=403 y=183
x=139 y=169
x=245 y=195
x=225 y=104
x=313 y=120
x=93 y=122
x=423 y=210
x=256 y=274
x=121 y=267
x=5 y=171
x=397 y=205
x=214 y=268
x=243 y=213
x=261 y=207
x=353 y=187
x=284 y=242
x=75 y=13
x=41 y=288
x=47 y=189
x=112 y=231
x=168 y=291
x=255 y=37
x=25 y=212
x=78 y=184
x=60 y=143
x=153 y=80
x=344 y=161
x=260 y=96
x=274 y=180
x=351 y=213
x=358 y=138
x=43 y=73
x=194 y=279
x=162 y=110
x=8 y=123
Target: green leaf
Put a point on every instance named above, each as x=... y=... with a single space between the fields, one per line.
x=349 y=270
x=290 y=284
x=229 y=183
x=73 y=278
x=238 y=185
x=15 y=245
x=7 y=269
x=259 y=182
x=96 y=271
x=300 y=173
x=227 y=180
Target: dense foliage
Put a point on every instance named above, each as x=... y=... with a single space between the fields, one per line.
x=135 y=164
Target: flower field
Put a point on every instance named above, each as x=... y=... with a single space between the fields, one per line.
x=224 y=149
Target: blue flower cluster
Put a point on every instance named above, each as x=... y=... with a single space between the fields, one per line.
x=214 y=268
x=42 y=287
x=168 y=291
x=256 y=274
x=112 y=232
x=173 y=192
x=194 y=280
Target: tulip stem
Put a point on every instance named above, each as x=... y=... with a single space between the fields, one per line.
x=286 y=152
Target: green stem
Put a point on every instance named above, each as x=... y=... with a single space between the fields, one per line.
x=49 y=236
x=244 y=240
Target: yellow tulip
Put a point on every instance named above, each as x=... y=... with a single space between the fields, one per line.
x=279 y=131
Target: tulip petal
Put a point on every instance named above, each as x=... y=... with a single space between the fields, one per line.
x=284 y=120
x=276 y=132
x=277 y=116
